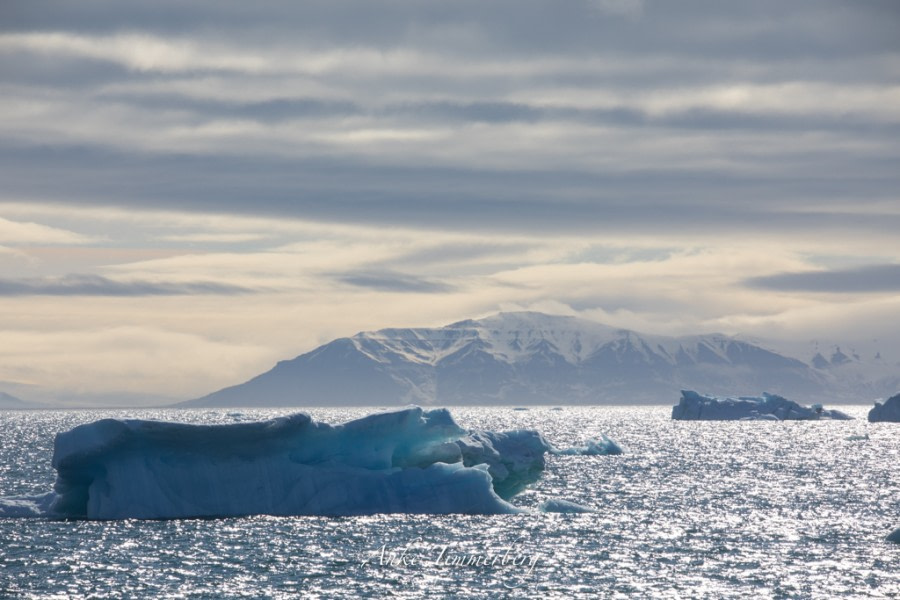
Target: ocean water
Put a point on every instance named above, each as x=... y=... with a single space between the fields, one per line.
x=691 y=510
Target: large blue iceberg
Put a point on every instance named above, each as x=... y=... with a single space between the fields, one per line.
x=887 y=411
x=408 y=461
x=768 y=407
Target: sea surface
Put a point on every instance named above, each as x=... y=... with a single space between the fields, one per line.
x=691 y=510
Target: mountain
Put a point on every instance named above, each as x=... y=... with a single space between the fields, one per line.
x=868 y=377
x=524 y=358
x=9 y=401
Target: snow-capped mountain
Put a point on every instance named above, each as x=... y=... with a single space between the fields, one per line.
x=527 y=357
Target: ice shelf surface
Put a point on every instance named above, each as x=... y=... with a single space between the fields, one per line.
x=889 y=410
x=768 y=407
x=407 y=461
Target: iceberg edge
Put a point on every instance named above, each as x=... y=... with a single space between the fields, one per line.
x=887 y=411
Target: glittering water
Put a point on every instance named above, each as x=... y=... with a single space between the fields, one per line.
x=692 y=510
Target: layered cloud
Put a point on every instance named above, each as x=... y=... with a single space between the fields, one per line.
x=599 y=114
x=17 y=233
x=392 y=281
x=869 y=278
x=95 y=285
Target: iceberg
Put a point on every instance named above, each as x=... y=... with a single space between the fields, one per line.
x=407 y=461
x=888 y=411
x=602 y=447
x=564 y=506
x=768 y=407
x=894 y=536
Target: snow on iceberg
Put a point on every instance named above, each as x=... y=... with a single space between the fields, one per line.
x=888 y=411
x=26 y=506
x=408 y=461
x=768 y=407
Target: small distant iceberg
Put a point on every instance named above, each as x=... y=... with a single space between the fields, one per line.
x=768 y=407
x=407 y=461
x=888 y=411
x=602 y=447
x=564 y=506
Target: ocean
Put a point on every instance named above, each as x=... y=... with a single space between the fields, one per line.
x=690 y=510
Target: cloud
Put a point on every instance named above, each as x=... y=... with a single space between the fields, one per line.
x=214 y=238
x=387 y=281
x=140 y=52
x=95 y=285
x=857 y=280
x=698 y=200
x=20 y=233
x=630 y=8
x=138 y=359
x=473 y=252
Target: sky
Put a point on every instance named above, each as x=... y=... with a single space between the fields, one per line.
x=194 y=191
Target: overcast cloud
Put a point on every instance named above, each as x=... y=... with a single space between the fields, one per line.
x=389 y=163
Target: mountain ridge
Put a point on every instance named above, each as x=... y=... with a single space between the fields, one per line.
x=526 y=358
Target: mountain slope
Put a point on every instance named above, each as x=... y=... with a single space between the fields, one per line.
x=9 y=401
x=520 y=358
x=867 y=378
